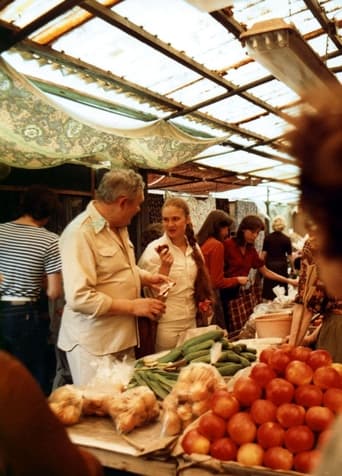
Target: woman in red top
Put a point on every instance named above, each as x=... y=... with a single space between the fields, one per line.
x=240 y=256
x=210 y=238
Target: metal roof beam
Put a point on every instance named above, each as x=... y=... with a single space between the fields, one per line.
x=15 y=35
x=328 y=26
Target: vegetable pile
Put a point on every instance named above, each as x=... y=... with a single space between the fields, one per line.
x=278 y=416
x=210 y=347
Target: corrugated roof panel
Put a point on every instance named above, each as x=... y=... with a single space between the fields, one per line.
x=275 y=93
x=283 y=172
x=243 y=141
x=322 y=45
x=240 y=162
x=23 y=12
x=269 y=125
x=186 y=28
x=196 y=92
x=125 y=56
x=233 y=109
x=263 y=192
x=246 y=73
x=252 y=11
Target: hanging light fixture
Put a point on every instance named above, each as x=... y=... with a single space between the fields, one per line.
x=281 y=49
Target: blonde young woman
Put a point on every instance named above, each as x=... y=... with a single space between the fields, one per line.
x=177 y=255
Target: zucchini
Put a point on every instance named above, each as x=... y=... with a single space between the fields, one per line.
x=226 y=345
x=229 y=369
x=205 y=359
x=196 y=355
x=239 y=348
x=245 y=362
x=171 y=356
x=229 y=356
x=201 y=346
x=249 y=355
x=215 y=335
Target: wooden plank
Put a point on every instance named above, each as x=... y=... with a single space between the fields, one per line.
x=135 y=464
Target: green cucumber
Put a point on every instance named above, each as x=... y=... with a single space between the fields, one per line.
x=249 y=355
x=201 y=346
x=229 y=369
x=229 y=356
x=196 y=355
x=215 y=335
x=171 y=356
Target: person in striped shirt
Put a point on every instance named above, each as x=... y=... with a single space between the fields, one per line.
x=29 y=253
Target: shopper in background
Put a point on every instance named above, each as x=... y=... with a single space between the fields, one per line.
x=210 y=237
x=316 y=143
x=177 y=255
x=28 y=254
x=276 y=253
x=102 y=282
x=240 y=256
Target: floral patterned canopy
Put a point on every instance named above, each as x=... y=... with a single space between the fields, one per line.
x=36 y=133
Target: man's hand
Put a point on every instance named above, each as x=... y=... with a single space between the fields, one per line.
x=148 y=307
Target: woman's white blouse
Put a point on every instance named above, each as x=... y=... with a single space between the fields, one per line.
x=180 y=303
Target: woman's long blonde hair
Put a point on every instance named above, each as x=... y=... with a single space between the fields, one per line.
x=203 y=287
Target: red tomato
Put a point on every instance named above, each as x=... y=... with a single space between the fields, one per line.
x=299 y=438
x=306 y=461
x=262 y=411
x=265 y=354
x=326 y=377
x=262 y=373
x=298 y=372
x=319 y=358
x=332 y=399
x=290 y=414
x=250 y=454
x=224 y=404
x=194 y=442
x=212 y=426
x=223 y=449
x=278 y=360
x=286 y=347
x=270 y=434
x=279 y=391
x=319 y=418
x=246 y=390
x=278 y=458
x=241 y=428
x=300 y=352
x=308 y=395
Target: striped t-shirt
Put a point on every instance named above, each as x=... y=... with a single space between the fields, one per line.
x=27 y=253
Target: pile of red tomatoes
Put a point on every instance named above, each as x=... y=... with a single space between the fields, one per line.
x=278 y=416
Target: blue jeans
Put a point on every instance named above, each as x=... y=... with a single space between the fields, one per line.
x=24 y=334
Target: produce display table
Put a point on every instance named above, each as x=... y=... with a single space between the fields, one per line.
x=129 y=453
x=145 y=452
